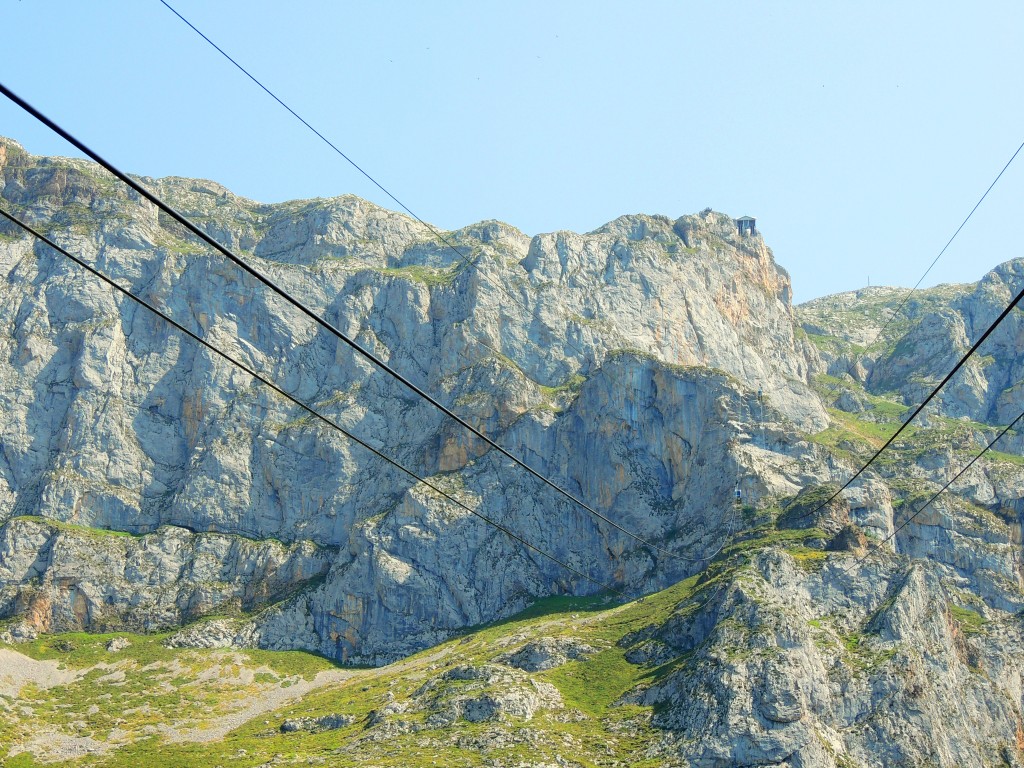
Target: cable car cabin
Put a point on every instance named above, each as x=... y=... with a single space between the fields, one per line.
x=746 y=225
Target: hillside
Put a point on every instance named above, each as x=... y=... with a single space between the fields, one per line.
x=188 y=561
x=776 y=656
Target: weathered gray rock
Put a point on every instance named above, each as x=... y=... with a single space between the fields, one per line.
x=19 y=633
x=217 y=633
x=910 y=351
x=623 y=363
x=828 y=668
x=118 y=644
x=57 y=577
x=546 y=653
x=112 y=421
x=483 y=693
x=316 y=724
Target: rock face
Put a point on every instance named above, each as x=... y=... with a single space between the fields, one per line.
x=823 y=667
x=624 y=363
x=621 y=363
x=910 y=350
x=59 y=577
x=653 y=368
x=316 y=724
x=547 y=653
x=483 y=693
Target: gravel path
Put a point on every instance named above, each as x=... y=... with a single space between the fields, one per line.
x=17 y=671
x=268 y=701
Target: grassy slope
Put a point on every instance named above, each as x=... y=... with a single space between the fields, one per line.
x=146 y=696
x=163 y=687
x=856 y=436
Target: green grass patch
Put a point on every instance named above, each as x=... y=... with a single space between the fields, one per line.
x=861 y=430
x=833 y=344
x=84 y=530
x=593 y=685
x=78 y=650
x=557 y=607
x=808 y=559
x=556 y=399
x=571 y=385
x=429 y=276
x=24 y=760
x=291 y=663
x=1009 y=458
x=768 y=536
x=861 y=656
x=971 y=622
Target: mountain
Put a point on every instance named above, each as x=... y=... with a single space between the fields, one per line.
x=650 y=368
x=906 y=354
x=620 y=363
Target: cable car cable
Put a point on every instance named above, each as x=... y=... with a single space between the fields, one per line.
x=934 y=392
x=436 y=233
x=910 y=293
x=358 y=348
x=441 y=238
x=309 y=409
x=936 y=495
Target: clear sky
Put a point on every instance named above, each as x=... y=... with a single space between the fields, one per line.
x=859 y=134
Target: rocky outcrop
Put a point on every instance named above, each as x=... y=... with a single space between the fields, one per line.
x=483 y=693
x=547 y=653
x=892 y=343
x=316 y=724
x=624 y=363
x=56 y=577
x=659 y=463
x=653 y=367
x=215 y=633
x=881 y=665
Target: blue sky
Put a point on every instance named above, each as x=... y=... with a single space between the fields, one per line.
x=859 y=134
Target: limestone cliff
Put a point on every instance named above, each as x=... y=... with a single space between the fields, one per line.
x=890 y=345
x=589 y=355
x=147 y=486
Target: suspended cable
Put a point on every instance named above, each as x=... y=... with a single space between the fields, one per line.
x=318 y=319
x=309 y=409
x=455 y=250
x=934 y=392
x=433 y=230
x=936 y=495
x=910 y=293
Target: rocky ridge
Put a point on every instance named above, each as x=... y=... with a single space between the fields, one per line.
x=782 y=653
x=560 y=346
x=144 y=484
x=907 y=353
